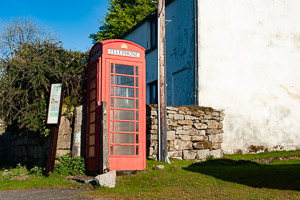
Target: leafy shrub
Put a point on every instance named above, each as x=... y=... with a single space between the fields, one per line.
x=70 y=166
x=36 y=170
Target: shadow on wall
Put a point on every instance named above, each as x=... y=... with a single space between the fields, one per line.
x=282 y=177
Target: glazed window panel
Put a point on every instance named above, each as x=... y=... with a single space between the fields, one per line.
x=124 y=80
x=92 y=140
x=124 y=69
x=124 y=115
x=124 y=126
x=92 y=106
x=93 y=84
x=124 y=103
x=124 y=92
x=93 y=95
x=91 y=151
x=92 y=116
x=93 y=73
x=92 y=128
x=122 y=138
x=124 y=150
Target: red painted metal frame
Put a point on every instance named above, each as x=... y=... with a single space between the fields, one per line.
x=100 y=58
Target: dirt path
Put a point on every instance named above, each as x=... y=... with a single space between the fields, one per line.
x=45 y=194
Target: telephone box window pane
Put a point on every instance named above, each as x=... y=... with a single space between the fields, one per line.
x=112 y=68
x=136 y=115
x=111 y=102
x=137 y=150
x=111 y=126
x=93 y=95
x=124 y=69
x=121 y=138
x=92 y=128
x=136 y=104
x=112 y=80
x=137 y=127
x=136 y=93
x=137 y=138
x=111 y=114
x=92 y=106
x=92 y=116
x=93 y=84
x=124 y=115
x=136 y=70
x=111 y=150
x=136 y=82
x=111 y=138
x=111 y=91
x=124 y=92
x=93 y=73
x=124 y=126
x=124 y=150
x=124 y=80
x=124 y=103
x=92 y=140
x=91 y=151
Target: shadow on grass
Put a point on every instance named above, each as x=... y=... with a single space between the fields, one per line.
x=282 y=177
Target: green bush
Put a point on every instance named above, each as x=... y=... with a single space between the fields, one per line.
x=70 y=166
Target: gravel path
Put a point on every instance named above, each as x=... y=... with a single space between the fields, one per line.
x=42 y=194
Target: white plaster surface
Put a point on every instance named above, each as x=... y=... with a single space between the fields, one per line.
x=249 y=65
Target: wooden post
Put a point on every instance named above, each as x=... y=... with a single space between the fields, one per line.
x=162 y=82
x=52 y=149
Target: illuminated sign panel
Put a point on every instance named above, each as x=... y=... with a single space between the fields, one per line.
x=124 y=53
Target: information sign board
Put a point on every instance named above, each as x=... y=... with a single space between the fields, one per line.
x=54 y=103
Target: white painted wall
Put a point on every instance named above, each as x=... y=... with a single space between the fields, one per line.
x=249 y=65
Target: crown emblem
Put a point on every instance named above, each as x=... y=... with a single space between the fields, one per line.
x=124 y=46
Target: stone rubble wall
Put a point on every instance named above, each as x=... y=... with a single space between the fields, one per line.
x=33 y=148
x=193 y=132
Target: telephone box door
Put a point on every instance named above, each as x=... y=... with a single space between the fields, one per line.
x=127 y=138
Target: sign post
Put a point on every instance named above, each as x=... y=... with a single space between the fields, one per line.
x=53 y=120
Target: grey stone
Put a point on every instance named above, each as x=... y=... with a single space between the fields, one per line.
x=199 y=138
x=170 y=135
x=107 y=180
x=202 y=145
x=218 y=153
x=6 y=172
x=175 y=154
x=202 y=154
x=186 y=132
x=212 y=124
x=153 y=112
x=201 y=132
x=189 y=154
x=172 y=108
x=182 y=144
x=216 y=146
x=159 y=167
x=19 y=178
x=179 y=117
x=185 y=137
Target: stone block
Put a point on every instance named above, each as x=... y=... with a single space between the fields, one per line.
x=212 y=124
x=171 y=122
x=215 y=114
x=153 y=112
x=179 y=117
x=170 y=135
x=190 y=117
x=217 y=138
x=182 y=144
x=153 y=143
x=107 y=180
x=216 y=146
x=201 y=132
x=175 y=154
x=154 y=127
x=202 y=145
x=185 y=122
x=172 y=108
x=220 y=125
x=171 y=145
x=218 y=153
x=202 y=154
x=186 y=132
x=188 y=127
x=170 y=116
x=185 y=137
x=199 y=138
x=189 y=154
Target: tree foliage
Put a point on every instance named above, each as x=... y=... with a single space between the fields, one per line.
x=31 y=63
x=121 y=16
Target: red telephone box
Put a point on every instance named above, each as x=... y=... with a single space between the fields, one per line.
x=116 y=74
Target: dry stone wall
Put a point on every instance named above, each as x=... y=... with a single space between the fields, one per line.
x=192 y=132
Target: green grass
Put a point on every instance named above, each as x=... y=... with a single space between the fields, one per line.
x=262 y=155
x=213 y=179
x=34 y=181
x=226 y=178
